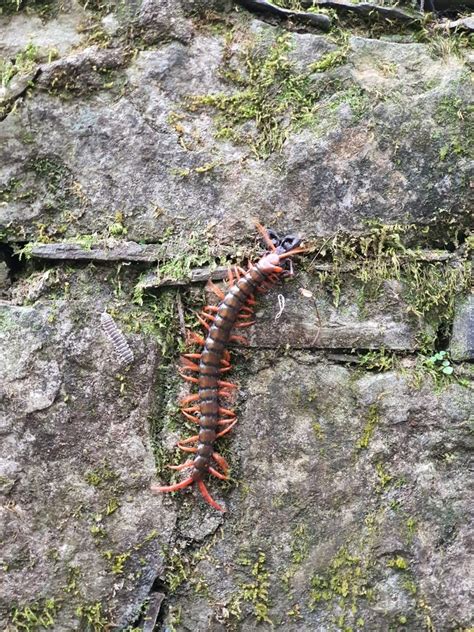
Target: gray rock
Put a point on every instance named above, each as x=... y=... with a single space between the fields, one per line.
x=59 y=34
x=346 y=526
x=348 y=504
x=462 y=339
x=160 y=20
x=359 y=154
x=75 y=467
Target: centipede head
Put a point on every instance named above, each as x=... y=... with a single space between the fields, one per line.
x=284 y=247
x=283 y=244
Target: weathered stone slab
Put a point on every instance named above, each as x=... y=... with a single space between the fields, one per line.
x=146 y=153
x=314 y=322
x=462 y=338
x=78 y=523
x=352 y=498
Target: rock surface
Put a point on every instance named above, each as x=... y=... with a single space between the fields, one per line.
x=134 y=158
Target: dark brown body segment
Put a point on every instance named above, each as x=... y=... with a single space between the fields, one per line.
x=210 y=363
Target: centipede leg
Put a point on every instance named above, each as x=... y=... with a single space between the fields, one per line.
x=192 y=439
x=221 y=462
x=190 y=417
x=172 y=488
x=227 y=384
x=203 y=322
x=192 y=356
x=246 y=324
x=181 y=467
x=239 y=339
x=187 y=364
x=190 y=398
x=191 y=409
x=226 y=411
x=195 y=338
x=208 y=498
x=230 y=277
x=217 y=290
x=223 y=393
x=218 y=474
x=186 y=448
x=189 y=378
x=226 y=430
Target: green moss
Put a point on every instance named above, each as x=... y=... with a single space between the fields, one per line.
x=429 y=288
x=270 y=93
x=399 y=563
x=24 y=62
x=383 y=477
x=344 y=583
x=92 y=617
x=117 y=228
x=299 y=544
x=35 y=616
x=101 y=476
x=380 y=360
x=372 y=421
x=256 y=592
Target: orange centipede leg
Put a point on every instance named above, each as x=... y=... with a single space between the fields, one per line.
x=191 y=409
x=185 y=448
x=171 y=488
x=203 y=322
x=228 y=384
x=265 y=236
x=181 y=467
x=211 y=308
x=192 y=356
x=187 y=364
x=223 y=393
x=192 y=439
x=226 y=430
x=189 y=378
x=190 y=398
x=217 y=290
x=240 y=339
x=225 y=369
x=224 y=422
x=230 y=277
x=207 y=497
x=226 y=411
x=247 y=324
x=190 y=417
x=221 y=462
x=196 y=338
x=218 y=474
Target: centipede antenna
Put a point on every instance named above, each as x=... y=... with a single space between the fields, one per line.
x=265 y=236
x=291 y=253
x=121 y=346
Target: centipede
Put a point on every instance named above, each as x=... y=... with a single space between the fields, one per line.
x=208 y=407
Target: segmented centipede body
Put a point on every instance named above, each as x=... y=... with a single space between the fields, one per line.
x=234 y=310
x=117 y=338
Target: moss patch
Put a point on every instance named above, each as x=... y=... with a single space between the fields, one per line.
x=270 y=94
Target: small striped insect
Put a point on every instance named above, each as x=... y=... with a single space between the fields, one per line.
x=117 y=338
